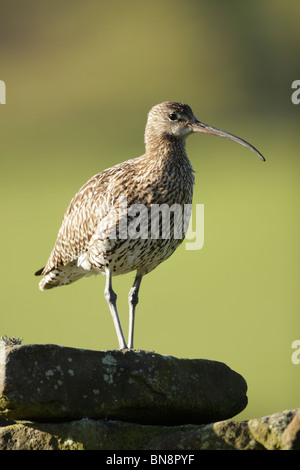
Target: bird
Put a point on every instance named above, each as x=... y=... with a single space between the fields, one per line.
x=90 y=239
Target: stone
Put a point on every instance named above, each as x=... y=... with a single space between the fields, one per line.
x=267 y=433
x=46 y=383
x=269 y=430
x=291 y=435
x=86 y=434
x=222 y=435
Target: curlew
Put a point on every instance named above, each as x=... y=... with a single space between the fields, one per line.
x=90 y=239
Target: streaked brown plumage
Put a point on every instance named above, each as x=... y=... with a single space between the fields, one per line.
x=89 y=240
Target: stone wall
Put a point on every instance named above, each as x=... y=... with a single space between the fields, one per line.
x=54 y=397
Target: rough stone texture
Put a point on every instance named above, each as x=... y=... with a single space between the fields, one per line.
x=291 y=435
x=266 y=433
x=276 y=432
x=53 y=383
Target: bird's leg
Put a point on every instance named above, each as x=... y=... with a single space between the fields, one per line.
x=111 y=298
x=133 y=300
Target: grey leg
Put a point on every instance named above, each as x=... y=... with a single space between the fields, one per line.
x=133 y=300
x=111 y=298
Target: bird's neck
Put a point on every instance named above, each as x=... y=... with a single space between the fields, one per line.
x=164 y=147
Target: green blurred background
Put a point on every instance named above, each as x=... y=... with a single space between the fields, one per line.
x=80 y=78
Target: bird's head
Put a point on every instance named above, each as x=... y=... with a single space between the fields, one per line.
x=171 y=119
x=177 y=120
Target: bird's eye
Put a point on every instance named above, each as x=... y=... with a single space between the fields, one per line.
x=173 y=117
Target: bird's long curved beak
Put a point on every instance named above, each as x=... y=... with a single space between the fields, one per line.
x=200 y=127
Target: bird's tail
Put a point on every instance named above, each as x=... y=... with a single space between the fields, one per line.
x=61 y=276
x=39 y=272
x=50 y=280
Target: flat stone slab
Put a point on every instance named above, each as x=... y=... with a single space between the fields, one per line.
x=45 y=383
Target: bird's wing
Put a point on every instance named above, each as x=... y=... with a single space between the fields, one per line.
x=79 y=222
x=92 y=203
